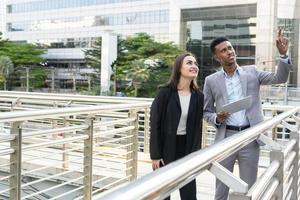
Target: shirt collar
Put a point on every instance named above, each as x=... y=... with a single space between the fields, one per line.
x=236 y=71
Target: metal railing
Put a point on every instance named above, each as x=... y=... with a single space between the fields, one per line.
x=280 y=179
x=59 y=145
x=281 y=94
x=81 y=150
x=14 y=101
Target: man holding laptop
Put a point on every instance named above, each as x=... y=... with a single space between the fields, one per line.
x=231 y=84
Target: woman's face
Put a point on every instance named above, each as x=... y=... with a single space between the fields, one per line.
x=189 y=68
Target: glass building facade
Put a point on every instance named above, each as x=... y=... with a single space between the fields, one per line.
x=148 y=17
x=45 y=5
x=237 y=23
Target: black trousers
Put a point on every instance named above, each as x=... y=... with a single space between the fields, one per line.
x=189 y=191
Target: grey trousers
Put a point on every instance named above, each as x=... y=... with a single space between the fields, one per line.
x=247 y=158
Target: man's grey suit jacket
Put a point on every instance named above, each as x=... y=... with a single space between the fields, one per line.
x=215 y=94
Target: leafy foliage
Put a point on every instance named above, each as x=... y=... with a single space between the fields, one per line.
x=21 y=54
x=38 y=76
x=138 y=49
x=93 y=55
x=6 y=67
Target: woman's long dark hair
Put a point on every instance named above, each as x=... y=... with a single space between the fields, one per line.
x=175 y=76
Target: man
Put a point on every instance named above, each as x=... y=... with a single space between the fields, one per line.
x=231 y=84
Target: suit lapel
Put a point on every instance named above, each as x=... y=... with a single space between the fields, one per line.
x=220 y=80
x=243 y=79
x=176 y=97
x=192 y=102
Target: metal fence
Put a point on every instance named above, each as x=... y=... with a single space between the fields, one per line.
x=279 y=181
x=67 y=153
x=53 y=143
x=281 y=94
x=14 y=101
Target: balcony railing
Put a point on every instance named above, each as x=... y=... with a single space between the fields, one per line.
x=85 y=145
x=279 y=181
x=83 y=150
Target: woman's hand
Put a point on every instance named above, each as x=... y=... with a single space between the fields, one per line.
x=156 y=164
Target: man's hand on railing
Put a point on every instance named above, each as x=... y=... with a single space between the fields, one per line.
x=157 y=164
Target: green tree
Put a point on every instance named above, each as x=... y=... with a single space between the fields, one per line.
x=132 y=52
x=93 y=59
x=142 y=47
x=6 y=67
x=93 y=55
x=138 y=73
x=22 y=54
x=38 y=76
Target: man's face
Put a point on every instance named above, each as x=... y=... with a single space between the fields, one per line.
x=225 y=54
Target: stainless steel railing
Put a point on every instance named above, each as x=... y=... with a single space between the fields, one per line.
x=81 y=150
x=280 y=180
x=16 y=101
x=54 y=144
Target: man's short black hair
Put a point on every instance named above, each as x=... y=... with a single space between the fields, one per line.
x=217 y=41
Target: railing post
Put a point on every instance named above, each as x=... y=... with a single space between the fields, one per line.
x=204 y=133
x=16 y=162
x=65 y=155
x=146 y=131
x=295 y=135
x=274 y=129
x=279 y=156
x=88 y=160
x=132 y=148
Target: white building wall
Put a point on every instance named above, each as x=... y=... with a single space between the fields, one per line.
x=2 y=17
x=266 y=34
x=109 y=52
x=289 y=9
x=65 y=53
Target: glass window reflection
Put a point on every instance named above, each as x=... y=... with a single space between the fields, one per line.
x=160 y=16
x=57 y=4
x=237 y=23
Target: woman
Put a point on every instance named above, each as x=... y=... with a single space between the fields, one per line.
x=176 y=118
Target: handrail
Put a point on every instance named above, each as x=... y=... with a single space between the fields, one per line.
x=37 y=114
x=64 y=137
x=289 y=147
x=162 y=182
x=68 y=97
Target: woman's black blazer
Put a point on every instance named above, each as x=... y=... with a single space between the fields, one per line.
x=164 y=119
